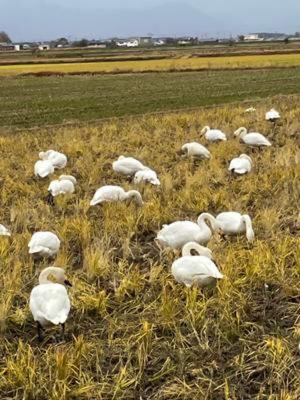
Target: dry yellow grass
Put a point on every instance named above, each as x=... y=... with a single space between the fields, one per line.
x=179 y=64
x=133 y=333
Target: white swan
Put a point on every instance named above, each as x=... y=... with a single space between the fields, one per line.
x=147 y=175
x=199 y=270
x=177 y=234
x=59 y=160
x=49 y=301
x=43 y=168
x=213 y=135
x=272 y=115
x=233 y=223
x=195 y=149
x=45 y=244
x=127 y=166
x=4 y=231
x=113 y=193
x=253 y=138
x=241 y=165
x=63 y=185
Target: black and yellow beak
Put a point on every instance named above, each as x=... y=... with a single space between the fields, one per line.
x=67 y=283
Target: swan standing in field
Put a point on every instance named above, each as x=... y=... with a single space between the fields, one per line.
x=4 y=231
x=128 y=166
x=147 y=175
x=43 y=168
x=195 y=149
x=58 y=160
x=113 y=193
x=49 y=301
x=65 y=184
x=44 y=244
x=177 y=234
x=195 y=270
x=241 y=165
x=272 y=115
x=213 y=135
x=252 y=139
x=233 y=223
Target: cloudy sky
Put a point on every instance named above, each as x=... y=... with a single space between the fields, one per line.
x=49 y=19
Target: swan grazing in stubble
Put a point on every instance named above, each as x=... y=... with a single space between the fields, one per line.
x=43 y=168
x=213 y=135
x=65 y=184
x=233 y=223
x=241 y=165
x=113 y=193
x=49 y=301
x=4 y=231
x=128 y=166
x=44 y=244
x=272 y=115
x=197 y=270
x=196 y=150
x=58 y=160
x=147 y=175
x=177 y=234
x=254 y=139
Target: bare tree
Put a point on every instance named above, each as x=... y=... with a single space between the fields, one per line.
x=4 y=37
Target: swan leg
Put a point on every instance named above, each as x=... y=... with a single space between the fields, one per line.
x=62 y=335
x=39 y=329
x=50 y=199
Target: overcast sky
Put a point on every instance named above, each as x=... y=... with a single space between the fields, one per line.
x=49 y=19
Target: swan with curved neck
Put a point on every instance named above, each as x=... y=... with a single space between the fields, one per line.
x=49 y=301
x=213 y=135
x=254 y=139
x=177 y=234
x=233 y=223
x=128 y=166
x=195 y=270
x=196 y=150
x=113 y=193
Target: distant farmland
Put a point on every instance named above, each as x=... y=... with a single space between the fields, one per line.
x=31 y=101
x=168 y=64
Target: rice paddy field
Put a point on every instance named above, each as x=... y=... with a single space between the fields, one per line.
x=133 y=332
x=30 y=101
x=184 y=63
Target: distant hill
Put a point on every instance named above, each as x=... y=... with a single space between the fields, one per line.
x=39 y=20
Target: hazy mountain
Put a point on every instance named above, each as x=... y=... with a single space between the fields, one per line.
x=47 y=19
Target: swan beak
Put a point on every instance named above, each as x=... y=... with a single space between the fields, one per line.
x=67 y=283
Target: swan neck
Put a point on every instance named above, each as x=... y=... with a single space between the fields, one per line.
x=43 y=278
x=206 y=216
x=249 y=229
x=202 y=251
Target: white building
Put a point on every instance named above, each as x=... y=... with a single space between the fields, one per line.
x=252 y=37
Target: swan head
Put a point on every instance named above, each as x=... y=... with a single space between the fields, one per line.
x=246 y=157
x=240 y=132
x=205 y=129
x=57 y=274
x=42 y=155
